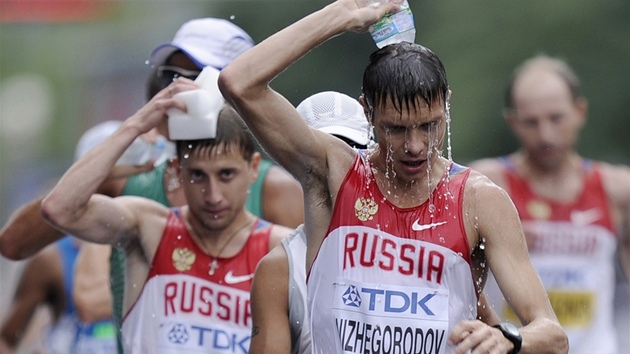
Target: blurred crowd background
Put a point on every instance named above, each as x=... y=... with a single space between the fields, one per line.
x=68 y=64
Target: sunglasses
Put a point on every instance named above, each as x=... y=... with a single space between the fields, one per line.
x=167 y=74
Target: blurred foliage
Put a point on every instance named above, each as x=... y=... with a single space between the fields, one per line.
x=480 y=43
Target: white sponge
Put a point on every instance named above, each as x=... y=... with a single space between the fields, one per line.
x=203 y=106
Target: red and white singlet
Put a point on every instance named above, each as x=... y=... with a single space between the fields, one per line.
x=184 y=309
x=391 y=280
x=572 y=246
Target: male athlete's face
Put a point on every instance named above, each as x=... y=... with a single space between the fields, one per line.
x=216 y=186
x=409 y=141
x=546 y=118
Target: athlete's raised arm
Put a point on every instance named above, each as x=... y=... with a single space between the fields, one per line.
x=272 y=118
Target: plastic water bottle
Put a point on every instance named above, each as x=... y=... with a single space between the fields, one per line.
x=393 y=28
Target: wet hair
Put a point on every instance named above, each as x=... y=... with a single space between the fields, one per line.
x=403 y=72
x=542 y=61
x=232 y=135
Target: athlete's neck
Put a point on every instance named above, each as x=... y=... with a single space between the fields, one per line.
x=562 y=181
x=224 y=242
x=409 y=193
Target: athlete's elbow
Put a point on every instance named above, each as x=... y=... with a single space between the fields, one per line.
x=229 y=84
x=8 y=249
x=55 y=211
x=235 y=85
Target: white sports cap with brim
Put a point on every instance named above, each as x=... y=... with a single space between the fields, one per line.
x=336 y=113
x=138 y=153
x=207 y=41
x=94 y=136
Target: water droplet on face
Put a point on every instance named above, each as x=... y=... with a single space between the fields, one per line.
x=482 y=246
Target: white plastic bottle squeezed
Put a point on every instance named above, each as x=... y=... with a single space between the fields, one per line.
x=393 y=28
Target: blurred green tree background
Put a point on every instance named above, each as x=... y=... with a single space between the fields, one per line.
x=60 y=73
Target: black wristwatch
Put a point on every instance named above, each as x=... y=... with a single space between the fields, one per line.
x=511 y=333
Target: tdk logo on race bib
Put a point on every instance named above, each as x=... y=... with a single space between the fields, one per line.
x=178 y=334
x=206 y=338
x=389 y=301
x=386 y=318
x=351 y=297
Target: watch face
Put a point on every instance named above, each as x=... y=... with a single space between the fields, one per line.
x=510 y=328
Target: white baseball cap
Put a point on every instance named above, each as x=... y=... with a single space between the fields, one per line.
x=207 y=41
x=138 y=153
x=94 y=136
x=337 y=114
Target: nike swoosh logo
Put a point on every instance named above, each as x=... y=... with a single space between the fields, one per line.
x=235 y=279
x=417 y=227
x=586 y=217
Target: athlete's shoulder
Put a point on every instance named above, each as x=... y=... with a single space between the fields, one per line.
x=490 y=167
x=278 y=232
x=274 y=261
x=494 y=169
x=616 y=180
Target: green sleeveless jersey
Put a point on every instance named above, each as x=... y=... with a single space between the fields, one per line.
x=254 y=202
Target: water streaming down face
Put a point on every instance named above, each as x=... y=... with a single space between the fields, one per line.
x=389 y=162
x=448 y=131
x=403 y=73
x=433 y=142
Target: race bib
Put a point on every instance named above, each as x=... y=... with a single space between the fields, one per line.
x=390 y=319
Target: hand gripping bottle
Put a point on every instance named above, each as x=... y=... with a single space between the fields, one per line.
x=393 y=28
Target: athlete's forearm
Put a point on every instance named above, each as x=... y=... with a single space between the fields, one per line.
x=69 y=198
x=543 y=336
x=248 y=73
x=26 y=232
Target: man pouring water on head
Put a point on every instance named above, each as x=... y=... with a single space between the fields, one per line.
x=399 y=238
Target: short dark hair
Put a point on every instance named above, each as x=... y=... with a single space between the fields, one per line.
x=403 y=72
x=555 y=65
x=232 y=135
